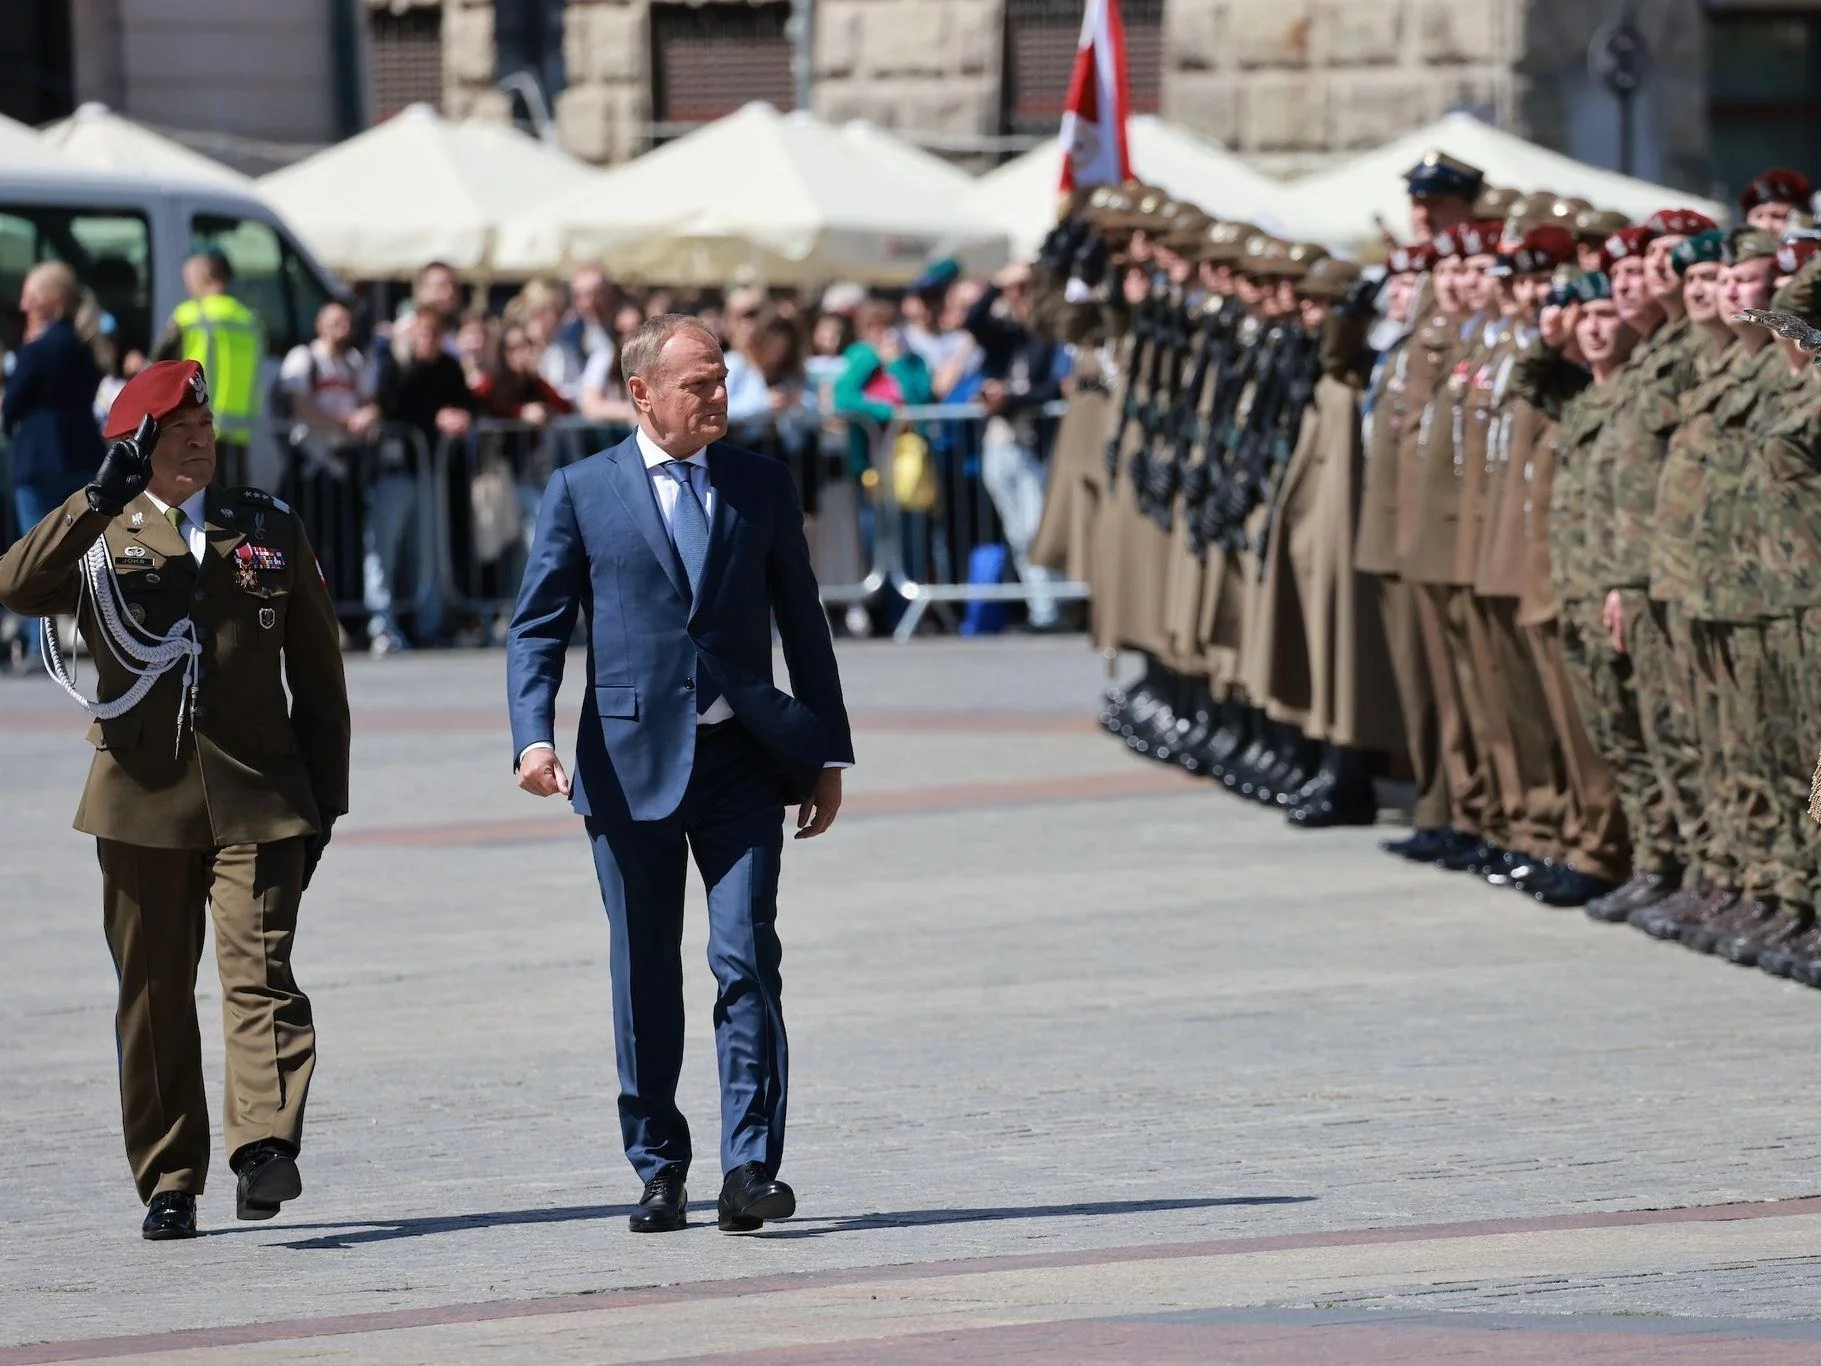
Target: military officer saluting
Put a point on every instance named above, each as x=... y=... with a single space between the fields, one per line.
x=208 y=788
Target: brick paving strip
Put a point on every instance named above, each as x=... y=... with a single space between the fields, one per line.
x=1175 y=1336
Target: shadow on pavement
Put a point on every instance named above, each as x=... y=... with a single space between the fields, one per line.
x=356 y=1233
x=1087 y=1209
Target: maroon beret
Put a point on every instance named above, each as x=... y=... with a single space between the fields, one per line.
x=1412 y=260
x=1628 y=242
x=156 y=391
x=1679 y=223
x=1778 y=185
x=1794 y=254
x=1542 y=249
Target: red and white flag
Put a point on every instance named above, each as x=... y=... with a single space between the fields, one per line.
x=1100 y=99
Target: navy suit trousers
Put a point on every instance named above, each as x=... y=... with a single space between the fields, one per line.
x=732 y=823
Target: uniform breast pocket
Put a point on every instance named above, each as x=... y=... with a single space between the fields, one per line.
x=260 y=622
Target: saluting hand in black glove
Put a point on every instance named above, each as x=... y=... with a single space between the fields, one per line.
x=125 y=470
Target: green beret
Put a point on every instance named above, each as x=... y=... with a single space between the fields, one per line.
x=1593 y=286
x=1703 y=246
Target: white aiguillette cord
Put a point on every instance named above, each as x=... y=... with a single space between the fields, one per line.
x=146 y=656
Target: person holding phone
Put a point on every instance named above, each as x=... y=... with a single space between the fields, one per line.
x=221 y=762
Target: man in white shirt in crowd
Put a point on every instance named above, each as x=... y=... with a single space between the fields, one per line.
x=331 y=391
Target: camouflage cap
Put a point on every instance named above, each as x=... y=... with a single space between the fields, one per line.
x=1329 y=278
x=1749 y=244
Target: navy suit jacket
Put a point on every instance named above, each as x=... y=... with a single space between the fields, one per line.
x=602 y=548
x=49 y=409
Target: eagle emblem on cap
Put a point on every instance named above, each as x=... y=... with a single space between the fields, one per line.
x=199 y=389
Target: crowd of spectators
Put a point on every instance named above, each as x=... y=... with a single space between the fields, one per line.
x=368 y=408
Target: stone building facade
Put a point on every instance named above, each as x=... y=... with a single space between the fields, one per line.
x=1291 y=84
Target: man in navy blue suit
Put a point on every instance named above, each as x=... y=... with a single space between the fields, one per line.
x=682 y=550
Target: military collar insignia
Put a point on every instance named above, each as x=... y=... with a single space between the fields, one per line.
x=136 y=521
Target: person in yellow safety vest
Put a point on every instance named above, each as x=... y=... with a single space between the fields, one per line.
x=228 y=340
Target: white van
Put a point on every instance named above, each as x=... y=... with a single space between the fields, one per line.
x=127 y=237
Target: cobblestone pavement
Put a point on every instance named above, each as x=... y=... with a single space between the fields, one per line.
x=1090 y=1063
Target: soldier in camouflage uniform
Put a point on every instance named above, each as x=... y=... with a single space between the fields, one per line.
x=1720 y=369
x=1724 y=603
x=1616 y=507
x=1662 y=778
x=1779 y=529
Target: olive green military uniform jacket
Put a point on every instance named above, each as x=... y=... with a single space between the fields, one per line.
x=1726 y=585
x=254 y=766
x=1428 y=487
x=1672 y=545
x=1625 y=466
x=1783 y=479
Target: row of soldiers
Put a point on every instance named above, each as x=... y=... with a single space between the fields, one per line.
x=1531 y=516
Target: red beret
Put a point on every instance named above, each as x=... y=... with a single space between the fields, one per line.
x=1778 y=185
x=1794 y=254
x=1628 y=242
x=1544 y=247
x=1679 y=223
x=156 y=391
x=1412 y=260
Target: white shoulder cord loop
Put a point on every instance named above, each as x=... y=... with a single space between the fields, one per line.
x=147 y=656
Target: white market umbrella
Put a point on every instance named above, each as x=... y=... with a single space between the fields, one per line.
x=1021 y=196
x=1346 y=201
x=418 y=188
x=96 y=137
x=21 y=145
x=783 y=197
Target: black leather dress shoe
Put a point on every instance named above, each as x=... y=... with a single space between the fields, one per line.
x=172 y=1215
x=1406 y=847
x=664 y=1208
x=1570 y=888
x=1526 y=878
x=1475 y=858
x=749 y=1196
x=1503 y=869
x=1354 y=804
x=268 y=1177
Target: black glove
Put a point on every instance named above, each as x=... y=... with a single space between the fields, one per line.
x=125 y=470
x=313 y=847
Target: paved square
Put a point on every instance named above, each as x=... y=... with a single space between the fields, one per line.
x=1090 y=1062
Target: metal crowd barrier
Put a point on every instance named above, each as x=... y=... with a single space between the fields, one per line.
x=930 y=524
x=406 y=528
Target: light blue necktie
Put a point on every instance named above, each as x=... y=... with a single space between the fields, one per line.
x=689 y=533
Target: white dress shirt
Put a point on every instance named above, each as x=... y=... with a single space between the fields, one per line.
x=666 y=490
x=193 y=532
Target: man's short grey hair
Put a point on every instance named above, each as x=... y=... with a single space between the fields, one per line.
x=640 y=352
